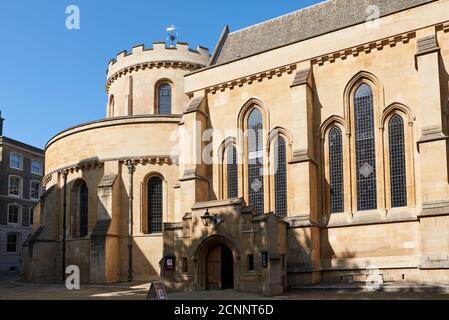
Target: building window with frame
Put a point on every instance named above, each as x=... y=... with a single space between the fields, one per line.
x=280 y=177
x=15 y=186
x=155 y=205
x=164 y=99
x=35 y=190
x=365 y=148
x=336 y=170
x=11 y=242
x=36 y=167
x=255 y=161
x=398 y=179
x=16 y=161
x=13 y=214
x=84 y=209
x=232 y=172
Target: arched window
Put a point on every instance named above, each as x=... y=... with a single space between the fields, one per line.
x=232 y=172
x=398 y=182
x=111 y=106
x=365 y=148
x=255 y=161
x=280 y=177
x=83 y=209
x=164 y=99
x=336 y=170
x=155 y=205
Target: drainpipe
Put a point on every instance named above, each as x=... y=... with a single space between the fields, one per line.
x=64 y=223
x=131 y=169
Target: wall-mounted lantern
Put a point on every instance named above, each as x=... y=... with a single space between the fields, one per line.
x=209 y=219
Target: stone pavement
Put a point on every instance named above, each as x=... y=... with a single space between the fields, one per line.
x=12 y=289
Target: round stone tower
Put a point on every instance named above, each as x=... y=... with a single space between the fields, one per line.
x=151 y=81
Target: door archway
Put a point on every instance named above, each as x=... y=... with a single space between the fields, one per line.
x=216 y=258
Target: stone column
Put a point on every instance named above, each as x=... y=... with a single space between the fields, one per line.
x=303 y=169
x=432 y=146
x=194 y=186
x=104 y=261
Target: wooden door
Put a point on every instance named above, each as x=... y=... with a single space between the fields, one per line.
x=213 y=268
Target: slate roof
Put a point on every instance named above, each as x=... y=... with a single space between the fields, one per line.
x=303 y=24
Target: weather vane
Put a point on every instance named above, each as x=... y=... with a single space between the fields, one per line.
x=172 y=34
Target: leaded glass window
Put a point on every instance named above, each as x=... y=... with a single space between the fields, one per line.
x=336 y=170
x=280 y=177
x=155 y=205
x=164 y=99
x=398 y=182
x=84 y=209
x=232 y=172
x=255 y=161
x=365 y=148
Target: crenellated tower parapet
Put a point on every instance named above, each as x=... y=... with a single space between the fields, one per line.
x=133 y=77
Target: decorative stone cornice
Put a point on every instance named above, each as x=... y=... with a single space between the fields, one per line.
x=165 y=159
x=189 y=66
x=248 y=80
x=46 y=180
x=365 y=48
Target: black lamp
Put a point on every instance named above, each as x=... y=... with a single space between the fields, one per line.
x=208 y=219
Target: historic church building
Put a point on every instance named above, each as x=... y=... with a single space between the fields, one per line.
x=311 y=148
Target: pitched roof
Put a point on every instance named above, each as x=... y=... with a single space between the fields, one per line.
x=303 y=24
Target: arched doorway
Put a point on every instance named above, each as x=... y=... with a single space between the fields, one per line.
x=219 y=268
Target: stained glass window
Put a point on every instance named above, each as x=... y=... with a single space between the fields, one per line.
x=255 y=161
x=155 y=205
x=164 y=99
x=398 y=180
x=365 y=148
x=336 y=170
x=280 y=177
x=232 y=172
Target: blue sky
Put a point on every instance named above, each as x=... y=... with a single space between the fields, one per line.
x=52 y=78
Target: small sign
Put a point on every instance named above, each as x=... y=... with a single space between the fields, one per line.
x=169 y=263
x=157 y=291
x=265 y=259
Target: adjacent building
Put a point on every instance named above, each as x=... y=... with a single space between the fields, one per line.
x=21 y=173
x=309 y=148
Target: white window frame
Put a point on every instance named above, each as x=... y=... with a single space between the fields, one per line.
x=40 y=190
x=19 y=214
x=17 y=243
x=21 y=160
x=31 y=167
x=20 y=186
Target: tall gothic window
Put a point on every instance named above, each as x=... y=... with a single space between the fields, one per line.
x=365 y=148
x=84 y=211
x=164 y=99
x=155 y=205
x=280 y=177
x=255 y=161
x=232 y=172
x=336 y=170
x=398 y=182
